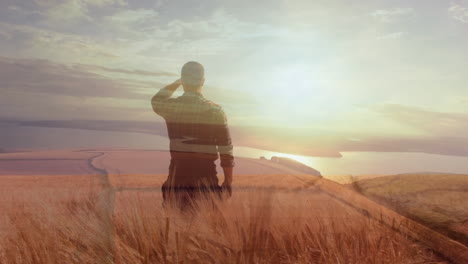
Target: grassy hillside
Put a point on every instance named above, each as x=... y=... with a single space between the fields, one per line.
x=435 y=199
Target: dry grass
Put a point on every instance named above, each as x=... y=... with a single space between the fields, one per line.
x=437 y=200
x=254 y=226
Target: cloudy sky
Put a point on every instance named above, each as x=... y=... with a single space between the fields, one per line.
x=317 y=76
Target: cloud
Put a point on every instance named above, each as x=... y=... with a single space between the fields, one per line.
x=32 y=42
x=133 y=16
x=158 y=128
x=18 y=105
x=463 y=100
x=390 y=15
x=19 y=10
x=67 y=11
x=5 y=34
x=452 y=146
x=217 y=34
x=458 y=12
x=137 y=38
x=32 y=79
x=428 y=122
x=39 y=76
x=441 y=133
x=56 y=11
x=102 y=3
x=130 y=22
x=39 y=89
x=95 y=68
x=394 y=35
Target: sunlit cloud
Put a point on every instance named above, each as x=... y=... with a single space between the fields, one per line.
x=428 y=122
x=394 y=35
x=390 y=15
x=459 y=12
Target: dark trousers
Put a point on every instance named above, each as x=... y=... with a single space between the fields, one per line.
x=189 y=181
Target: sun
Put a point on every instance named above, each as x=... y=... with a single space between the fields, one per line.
x=287 y=94
x=292 y=82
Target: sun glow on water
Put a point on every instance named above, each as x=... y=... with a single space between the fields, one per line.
x=257 y=153
x=309 y=161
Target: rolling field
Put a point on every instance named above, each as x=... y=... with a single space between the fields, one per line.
x=438 y=200
x=275 y=215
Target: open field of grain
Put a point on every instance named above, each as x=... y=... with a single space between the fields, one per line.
x=438 y=200
x=261 y=226
x=103 y=211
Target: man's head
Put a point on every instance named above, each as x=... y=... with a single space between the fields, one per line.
x=192 y=76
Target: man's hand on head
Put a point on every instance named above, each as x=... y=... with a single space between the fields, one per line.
x=178 y=82
x=173 y=86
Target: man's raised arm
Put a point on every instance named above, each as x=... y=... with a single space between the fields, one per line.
x=160 y=99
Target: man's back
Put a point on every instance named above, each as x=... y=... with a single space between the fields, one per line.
x=197 y=127
x=198 y=132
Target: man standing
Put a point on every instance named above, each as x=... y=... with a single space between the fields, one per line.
x=198 y=131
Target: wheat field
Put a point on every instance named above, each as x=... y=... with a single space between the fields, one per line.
x=67 y=222
x=437 y=200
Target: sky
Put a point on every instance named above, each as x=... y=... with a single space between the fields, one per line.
x=302 y=77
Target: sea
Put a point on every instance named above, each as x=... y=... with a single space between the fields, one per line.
x=13 y=136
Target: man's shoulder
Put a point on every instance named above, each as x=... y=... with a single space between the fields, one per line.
x=214 y=107
x=215 y=111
